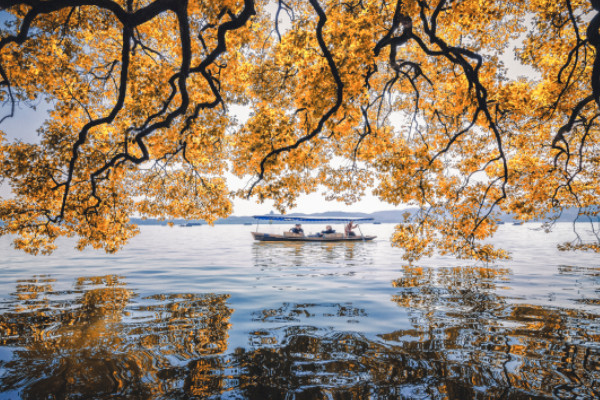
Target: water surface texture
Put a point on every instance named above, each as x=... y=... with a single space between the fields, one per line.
x=205 y=312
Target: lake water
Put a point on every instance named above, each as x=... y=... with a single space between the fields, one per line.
x=206 y=312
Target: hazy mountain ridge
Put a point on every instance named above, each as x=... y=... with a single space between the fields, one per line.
x=393 y=216
x=389 y=216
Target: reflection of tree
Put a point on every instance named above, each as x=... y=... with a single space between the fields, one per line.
x=93 y=341
x=300 y=361
x=297 y=312
x=475 y=336
x=313 y=364
x=107 y=302
x=471 y=288
x=464 y=342
x=590 y=283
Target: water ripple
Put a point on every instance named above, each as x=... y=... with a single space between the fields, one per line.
x=206 y=313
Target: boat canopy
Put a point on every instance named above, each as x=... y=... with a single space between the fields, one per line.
x=271 y=217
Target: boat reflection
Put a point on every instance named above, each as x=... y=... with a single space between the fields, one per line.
x=294 y=254
x=95 y=341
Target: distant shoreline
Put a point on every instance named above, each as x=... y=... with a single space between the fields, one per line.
x=384 y=217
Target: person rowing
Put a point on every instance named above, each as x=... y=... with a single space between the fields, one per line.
x=348 y=229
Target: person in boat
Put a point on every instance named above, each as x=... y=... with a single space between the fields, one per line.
x=328 y=229
x=348 y=229
x=297 y=229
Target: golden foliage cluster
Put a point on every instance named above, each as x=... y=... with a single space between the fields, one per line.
x=412 y=98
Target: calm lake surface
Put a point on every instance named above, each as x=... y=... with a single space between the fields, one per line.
x=206 y=312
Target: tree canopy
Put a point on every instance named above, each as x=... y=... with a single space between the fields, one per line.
x=409 y=98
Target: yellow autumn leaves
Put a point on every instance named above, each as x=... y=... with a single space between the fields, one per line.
x=410 y=98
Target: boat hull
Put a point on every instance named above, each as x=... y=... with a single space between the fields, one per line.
x=269 y=237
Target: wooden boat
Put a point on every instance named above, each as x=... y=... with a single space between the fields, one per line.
x=300 y=237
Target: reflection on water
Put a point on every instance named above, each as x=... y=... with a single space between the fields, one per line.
x=473 y=335
x=298 y=321
x=295 y=254
x=465 y=341
x=94 y=341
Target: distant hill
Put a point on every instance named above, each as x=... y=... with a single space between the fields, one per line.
x=386 y=217
x=393 y=216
